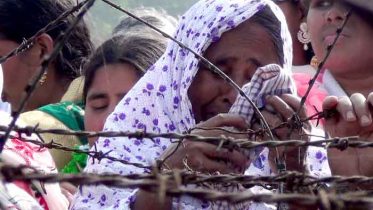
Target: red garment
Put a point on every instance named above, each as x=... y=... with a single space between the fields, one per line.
x=316 y=97
x=17 y=152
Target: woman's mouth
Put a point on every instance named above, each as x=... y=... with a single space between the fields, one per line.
x=330 y=37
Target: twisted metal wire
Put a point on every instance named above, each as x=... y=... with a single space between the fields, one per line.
x=227 y=142
x=176 y=182
x=151 y=181
x=29 y=42
x=30 y=89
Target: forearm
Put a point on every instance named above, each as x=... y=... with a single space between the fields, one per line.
x=148 y=200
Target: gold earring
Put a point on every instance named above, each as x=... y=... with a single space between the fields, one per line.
x=315 y=62
x=43 y=78
x=304 y=36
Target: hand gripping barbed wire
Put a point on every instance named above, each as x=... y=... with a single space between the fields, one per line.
x=323 y=200
x=176 y=185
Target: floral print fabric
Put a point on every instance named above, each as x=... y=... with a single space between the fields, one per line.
x=159 y=102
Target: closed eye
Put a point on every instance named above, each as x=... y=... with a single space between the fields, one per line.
x=98 y=102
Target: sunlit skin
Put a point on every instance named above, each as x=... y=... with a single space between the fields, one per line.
x=353 y=54
x=111 y=83
x=20 y=69
x=294 y=17
x=350 y=63
x=238 y=54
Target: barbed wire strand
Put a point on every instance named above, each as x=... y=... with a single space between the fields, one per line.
x=321 y=64
x=32 y=87
x=245 y=143
x=29 y=42
x=158 y=180
x=206 y=62
x=151 y=182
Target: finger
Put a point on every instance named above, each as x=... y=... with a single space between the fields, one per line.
x=271 y=119
x=222 y=120
x=218 y=133
x=211 y=166
x=361 y=109
x=212 y=151
x=69 y=187
x=346 y=109
x=330 y=103
x=67 y=195
x=294 y=102
x=280 y=107
x=234 y=157
x=370 y=100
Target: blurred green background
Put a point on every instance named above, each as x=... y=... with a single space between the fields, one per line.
x=103 y=18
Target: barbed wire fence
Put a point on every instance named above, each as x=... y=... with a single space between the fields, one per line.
x=295 y=187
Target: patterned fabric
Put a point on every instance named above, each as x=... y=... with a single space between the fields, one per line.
x=315 y=98
x=17 y=152
x=69 y=113
x=268 y=80
x=66 y=115
x=159 y=102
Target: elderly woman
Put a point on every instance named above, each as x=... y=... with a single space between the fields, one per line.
x=249 y=41
x=347 y=78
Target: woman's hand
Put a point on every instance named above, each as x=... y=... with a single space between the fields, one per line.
x=285 y=108
x=205 y=157
x=68 y=190
x=351 y=117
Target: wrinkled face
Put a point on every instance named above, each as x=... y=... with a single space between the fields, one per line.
x=238 y=54
x=17 y=72
x=353 y=52
x=111 y=83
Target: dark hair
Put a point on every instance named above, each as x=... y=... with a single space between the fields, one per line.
x=272 y=25
x=159 y=19
x=140 y=51
x=21 y=19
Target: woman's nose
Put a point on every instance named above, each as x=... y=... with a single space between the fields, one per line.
x=230 y=91
x=230 y=95
x=337 y=13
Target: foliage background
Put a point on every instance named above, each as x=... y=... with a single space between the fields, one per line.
x=103 y=18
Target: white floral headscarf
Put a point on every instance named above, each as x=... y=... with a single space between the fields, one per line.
x=159 y=101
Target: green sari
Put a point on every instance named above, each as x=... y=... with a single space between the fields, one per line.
x=72 y=116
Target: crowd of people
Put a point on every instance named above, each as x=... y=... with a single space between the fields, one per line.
x=138 y=80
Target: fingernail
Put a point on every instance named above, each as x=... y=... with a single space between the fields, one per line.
x=365 y=120
x=350 y=116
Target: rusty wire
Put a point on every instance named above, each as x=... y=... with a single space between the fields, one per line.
x=227 y=142
x=151 y=180
x=26 y=44
x=12 y=173
x=30 y=88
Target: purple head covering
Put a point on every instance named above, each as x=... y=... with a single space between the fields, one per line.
x=159 y=101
